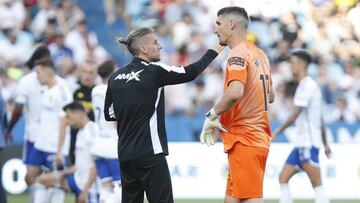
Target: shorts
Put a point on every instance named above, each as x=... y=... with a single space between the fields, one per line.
x=74 y=188
x=107 y=169
x=301 y=155
x=150 y=174
x=27 y=148
x=45 y=160
x=246 y=171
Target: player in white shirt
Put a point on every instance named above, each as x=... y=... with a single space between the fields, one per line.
x=27 y=99
x=310 y=130
x=79 y=178
x=54 y=97
x=105 y=150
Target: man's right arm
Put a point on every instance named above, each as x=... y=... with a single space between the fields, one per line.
x=170 y=75
x=108 y=106
x=290 y=120
x=20 y=100
x=15 y=115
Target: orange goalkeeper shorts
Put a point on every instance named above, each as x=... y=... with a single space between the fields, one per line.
x=246 y=171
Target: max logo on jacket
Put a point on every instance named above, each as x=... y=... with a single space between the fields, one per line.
x=129 y=76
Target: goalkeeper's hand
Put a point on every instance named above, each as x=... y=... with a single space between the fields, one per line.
x=210 y=128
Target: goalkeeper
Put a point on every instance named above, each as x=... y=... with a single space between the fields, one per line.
x=243 y=109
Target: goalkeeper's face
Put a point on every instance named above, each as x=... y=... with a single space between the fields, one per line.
x=222 y=30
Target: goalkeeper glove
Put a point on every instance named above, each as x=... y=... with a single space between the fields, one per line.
x=210 y=128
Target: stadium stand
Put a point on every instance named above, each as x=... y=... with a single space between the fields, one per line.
x=77 y=30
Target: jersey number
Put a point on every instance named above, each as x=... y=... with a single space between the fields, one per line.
x=265 y=80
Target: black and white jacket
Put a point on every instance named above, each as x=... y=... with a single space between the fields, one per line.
x=135 y=99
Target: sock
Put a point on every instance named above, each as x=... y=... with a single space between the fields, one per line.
x=39 y=193
x=320 y=196
x=116 y=196
x=104 y=194
x=31 y=189
x=57 y=195
x=285 y=196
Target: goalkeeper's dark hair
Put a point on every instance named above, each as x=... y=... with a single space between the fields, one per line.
x=237 y=11
x=302 y=54
x=106 y=69
x=74 y=106
x=41 y=52
x=45 y=62
x=133 y=38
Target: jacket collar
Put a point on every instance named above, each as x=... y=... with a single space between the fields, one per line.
x=137 y=60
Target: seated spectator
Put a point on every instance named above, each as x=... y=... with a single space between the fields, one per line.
x=59 y=51
x=85 y=45
x=341 y=112
x=18 y=45
x=46 y=11
x=12 y=14
x=69 y=15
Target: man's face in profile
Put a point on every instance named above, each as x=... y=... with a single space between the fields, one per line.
x=221 y=30
x=296 y=65
x=152 y=48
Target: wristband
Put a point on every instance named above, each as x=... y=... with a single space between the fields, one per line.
x=211 y=114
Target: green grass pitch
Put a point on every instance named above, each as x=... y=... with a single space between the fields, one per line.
x=70 y=199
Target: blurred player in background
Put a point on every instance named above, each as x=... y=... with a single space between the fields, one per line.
x=79 y=178
x=28 y=97
x=105 y=150
x=243 y=109
x=3 y=125
x=83 y=95
x=310 y=130
x=54 y=96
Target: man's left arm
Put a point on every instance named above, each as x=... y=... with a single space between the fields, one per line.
x=85 y=191
x=109 y=106
x=232 y=94
x=65 y=99
x=324 y=139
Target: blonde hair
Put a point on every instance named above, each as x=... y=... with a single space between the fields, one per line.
x=132 y=39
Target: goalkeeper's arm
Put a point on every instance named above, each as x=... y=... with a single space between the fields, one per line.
x=233 y=93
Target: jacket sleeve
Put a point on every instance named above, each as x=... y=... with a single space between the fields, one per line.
x=109 y=112
x=170 y=75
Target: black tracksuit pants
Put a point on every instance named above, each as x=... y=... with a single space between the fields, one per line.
x=150 y=174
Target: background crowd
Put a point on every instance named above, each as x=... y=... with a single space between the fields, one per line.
x=330 y=29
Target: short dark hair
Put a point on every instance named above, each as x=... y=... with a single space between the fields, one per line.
x=106 y=68
x=235 y=10
x=132 y=38
x=302 y=54
x=41 y=52
x=45 y=62
x=74 y=106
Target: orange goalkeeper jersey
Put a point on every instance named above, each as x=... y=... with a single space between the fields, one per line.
x=247 y=120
